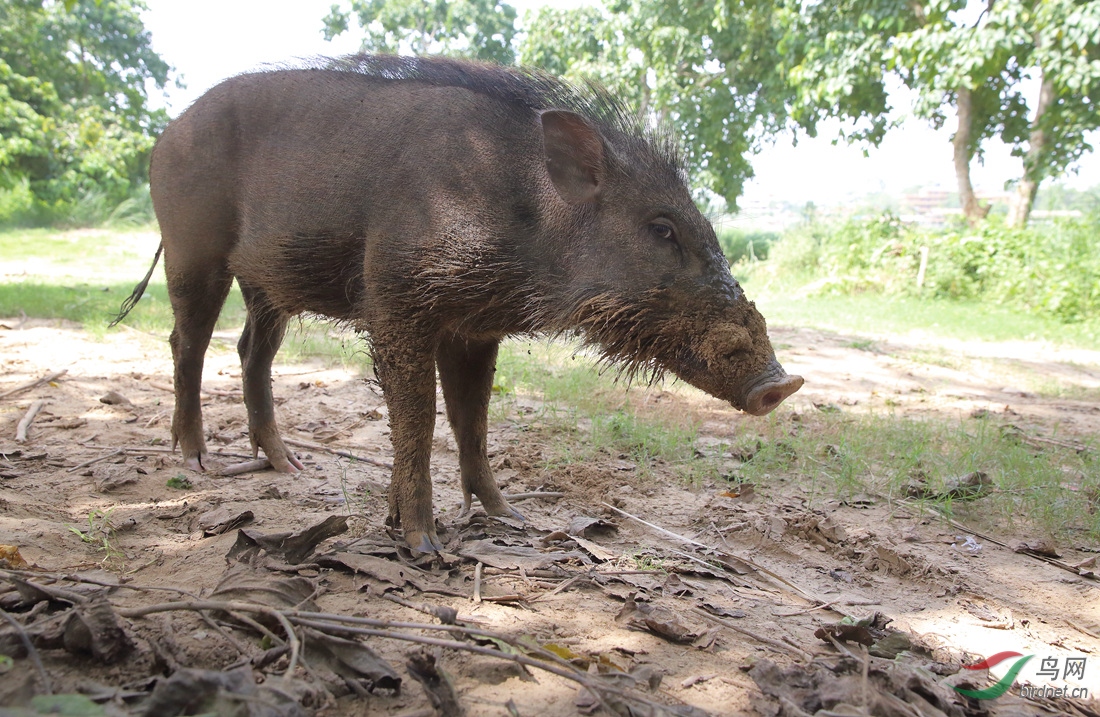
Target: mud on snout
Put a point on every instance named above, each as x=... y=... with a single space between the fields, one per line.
x=737 y=364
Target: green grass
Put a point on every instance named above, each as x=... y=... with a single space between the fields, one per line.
x=876 y=314
x=95 y=305
x=832 y=455
x=597 y=415
x=582 y=414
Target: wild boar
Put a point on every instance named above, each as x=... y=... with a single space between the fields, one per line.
x=439 y=206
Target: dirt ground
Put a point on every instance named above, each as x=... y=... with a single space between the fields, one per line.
x=609 y=594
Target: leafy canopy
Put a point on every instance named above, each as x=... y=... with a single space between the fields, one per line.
x=74 y=114
x=478 y=29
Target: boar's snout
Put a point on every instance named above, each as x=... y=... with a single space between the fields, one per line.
x=765 y=395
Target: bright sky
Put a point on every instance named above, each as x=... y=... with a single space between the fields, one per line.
x=210 y=40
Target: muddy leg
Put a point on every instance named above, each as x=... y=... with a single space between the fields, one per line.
x=260 y=341
x=407 y=374
x=466 y=370
x=197 y=299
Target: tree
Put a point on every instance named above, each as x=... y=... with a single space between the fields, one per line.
x=711 y=71
x=478 y=29
x=981 y=69
x=730 y=76
x=74 y=117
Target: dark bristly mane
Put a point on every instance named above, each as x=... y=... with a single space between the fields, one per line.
x=527 y=87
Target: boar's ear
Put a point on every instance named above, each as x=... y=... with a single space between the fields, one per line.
x=574 y=155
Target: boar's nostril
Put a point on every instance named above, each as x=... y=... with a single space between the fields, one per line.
x=771 y=398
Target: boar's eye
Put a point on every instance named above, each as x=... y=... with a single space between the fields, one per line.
x=663 y=231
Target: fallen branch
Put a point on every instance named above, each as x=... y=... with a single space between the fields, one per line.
x=335 y=451
x=31 y=651
x=446 y=615
x=209 y=391
x=728 y=556
x=258 y=464
x=105 y=456
x=563 y=586
x=154 y=450
x=545 y=660
x=21 y=429
x=759 y=638
x=1045 y=558
x=534 y=494
x=477 y=582
x=32 y=384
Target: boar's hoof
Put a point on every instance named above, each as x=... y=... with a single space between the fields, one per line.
x=194 y=463
x=290 y=465
x=501 y=509
x=423 y=542
x=765 y=397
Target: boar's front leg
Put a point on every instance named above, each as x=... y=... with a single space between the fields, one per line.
x=466 y=369
x=406 y=370
x=263 y=334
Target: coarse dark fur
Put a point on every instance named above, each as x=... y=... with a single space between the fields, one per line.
x=439 y=206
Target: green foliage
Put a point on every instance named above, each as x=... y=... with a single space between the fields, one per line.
x=1053 y=269
x=75 y=127
x=845 y=453
x=179 y=482
x=711 y=72
x=739 y=245
x=480 y=29
x=729 y=76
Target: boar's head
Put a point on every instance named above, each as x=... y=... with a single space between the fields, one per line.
x=646 y=280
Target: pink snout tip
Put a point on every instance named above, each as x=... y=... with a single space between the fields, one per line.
x=763 y=399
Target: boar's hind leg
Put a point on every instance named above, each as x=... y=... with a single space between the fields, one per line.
x=197 y=298
x=466 y=370
x=263 y=334
x=407 y=372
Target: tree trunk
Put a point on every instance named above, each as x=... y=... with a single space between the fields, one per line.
x=973 y=211
x=1036 y=147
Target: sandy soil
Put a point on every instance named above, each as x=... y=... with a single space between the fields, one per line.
x=805 y=563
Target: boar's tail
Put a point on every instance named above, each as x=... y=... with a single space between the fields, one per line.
x=133 y=298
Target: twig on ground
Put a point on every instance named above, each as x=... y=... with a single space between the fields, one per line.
x=155 y=450
x=252 y=466
x=822 y=606
x=210 y=391
x=31 y=651
x=335 y=451
x=534 y=494
x=729 y=556
x=105 y=456
x=565 y=585
x=477 y=582
x=801 y=654
x=546 y=660
x=56 y=593
x=156 y=417
x=32 y=384
x=25 y=423
x=292 y=638
x=1045 y=558
x=446 y=615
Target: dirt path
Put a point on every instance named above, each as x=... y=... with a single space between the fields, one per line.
x=856 y=557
